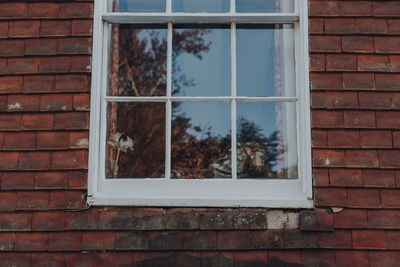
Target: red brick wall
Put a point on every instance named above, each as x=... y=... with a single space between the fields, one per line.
x=45 y=49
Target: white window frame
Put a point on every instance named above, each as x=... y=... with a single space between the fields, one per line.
x=274 y=193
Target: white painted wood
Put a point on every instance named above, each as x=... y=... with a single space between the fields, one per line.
x=168 y=116
x=233 y=104
x=199 y=98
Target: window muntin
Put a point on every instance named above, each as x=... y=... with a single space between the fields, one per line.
x=275 y=192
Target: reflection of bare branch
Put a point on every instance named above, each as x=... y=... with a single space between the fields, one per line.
x=158 y=83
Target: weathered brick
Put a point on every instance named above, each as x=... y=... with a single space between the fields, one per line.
x=373 y=63
x=182 y=219
x=340 y=26
x=12 y=10
x=376 y=139
x=356 y=8
x=342 y=99
x=84 y=220
x=238 y=239
x=66 y=200
x=343 y=138
x=217 y=219
x=317 y=62
x=98 y=240
x=321 y=177
x=318 y=258
x=394 y=26
x=131 y=241
x=319 y=138
x=65 y=241
x=37 y=121
x=358 y=44
x=388 y=219
x=363 y=198
x=337 y=239
x=59 y=102
x=15 y=221
x=46 y=140
x=19 y=141
x=71 y=83
x=38 y=84
x=361 y=158
x=351 y=218
x=165 y=240
x=148 y=219
x=387 y=44
x=31 y=241
x=324 y=8
x=221 y=258
x=82 y=27
x=379 y=178
x=69 y=160
x=390 y=198
x=42 y=10
x=55 y=28
x=12 y=48
x=75 y=10
x=345 y=177
x=352 y=258
x=79 y=139
x=8 y=160
x=7 y=241
x=372 y=26
x=199 y=240
x=54 y=64
x=77 y=180
x=331 y=119
x=359 y=119
x=250 y=258
x=22 y=65
x=31 y=200
x=51 y=180
x=325 y=44
x=358 y=81
x=34 y=161
x=48 y=221
x=115 y=219
x=41 y=47
x=74 y=46
x=393 y=240
x=8 y=201
x=48 y=259
x=23 y=103
x=328 y=158
x=389 y=158
x=388 y=119
x=10 y=84
x=388 y=81
x=316 y=221
x=81 y=64
x=82 y=102
x=26 y=28
x=17 y=180
x=300 y=239
x=368 y=239
x=374 y=100
x=394 y=63
x=282 y=257
x=4 y=29
x=387 y=8
x=330 y=196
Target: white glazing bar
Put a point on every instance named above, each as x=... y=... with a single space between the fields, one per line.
x=233 y=6
x=271 y=18
x=168 y=116
x=198 y=98
x=169 y=6
x=233 y=104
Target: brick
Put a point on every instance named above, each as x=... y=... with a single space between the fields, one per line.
x=8 y=201
x=10 y=84
x=82 y=27
x=373 y=63
x=15 y=221
x=319 y=138
x=342 y=99
x=396 y=139
x=228 y=240
x=394 y=63
x=75 y=10
x=4 y=29
x=3 y=106
x=17 y=180
x=373 y=100
x=390 y=198
x=376 y=139
x=25 y=28
x=328 y=158
x=330 y=196
x=300 y=239
x=30 y=200
x=15 y=259
x=166 y=240
x=8 y=160
x=31 y=241
x=361 y=158
x=82 y=102
x=388 y=8
x=389 y=158
x=23 y=103
x=337 y=239
x=98 y=240
x=55 y=64
x=327 y=118
x=387 y=44
x=356 y=8
x=71 y=83
x=59 y=102
x=12 y=48
x=388 y=219
x=341 y=62
x=41 y=47
x=318 y=258
x=393 y=240
x=148 y=219
x=388 y=119
x=318 y=99
x=199 y=240
x=3 y=65
x=48 y=259
x=217 y=219
x=394 y=26
x=51 y=180
x=358 y=44
x=81 y=64
x=131 y=241
x=388 y=81
x=22 y=65
x=34 y=161
x=10 y=121
x=52 y=140
x=317 y=62
x=66 y=200
x=359 y=119
x=326 y=44
x=84 y=220
x=321 y=177
x=352 y=258
x=340 y=26
x=372 y=26
x=215 y=259
x=363 y=198
x=55 y=28
x=48 y=221
x=379 y=178
x=316 y=221
x=43 y=10
x=69 y=160
x=19 y=141
x=282 y=257
x=74 y=46
x=368 y=239
x=358 y=81
x=37 y=121
x=250 y=258
x=345 y=177
x=115 y=219
x=250 y=219
x=79 y=140
x=77 y=180
x=65 y=241
x=343 y=138
x=316 y=25
x=351 y=218
x=12 y=10
x=38 y=84
x=7 y=241
x=182 y=219
x=324 y=8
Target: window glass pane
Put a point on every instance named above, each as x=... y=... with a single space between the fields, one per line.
x=136 y=5
x=265 y=6
x=201 y=60
x=265 y=60
x=266 y=140
x=136 y=140
x=201 y=140
x=200 y=6
x=138 y=60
